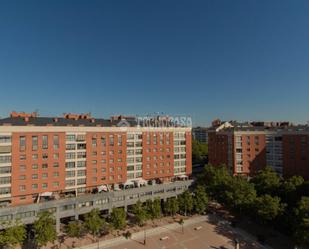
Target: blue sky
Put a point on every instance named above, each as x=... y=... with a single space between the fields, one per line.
x=245 y=60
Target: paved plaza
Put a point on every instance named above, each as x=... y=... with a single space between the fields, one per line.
x=212 y=233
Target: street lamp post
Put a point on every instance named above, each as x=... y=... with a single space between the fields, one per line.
x=181 y=222
x=144 y=236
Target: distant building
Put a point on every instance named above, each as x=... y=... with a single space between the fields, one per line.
x=200 y=134
x=245 y=149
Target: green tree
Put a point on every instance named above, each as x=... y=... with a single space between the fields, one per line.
x=140 y=213
x=240 y=194
x=216 y=181
x=302 y=220
x=199 y=152
x=118 y=218
x=153 y=208
x=185 y=201
x=266 y=181
x=13 y=235
x=268 y=208
x=93 y=222
x=44 y=229
x=290 y=188
x=156 y=209
x=200 y=199
x=74 y=229
x=171 y=206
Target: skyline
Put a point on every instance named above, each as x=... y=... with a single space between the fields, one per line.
x=240 y=60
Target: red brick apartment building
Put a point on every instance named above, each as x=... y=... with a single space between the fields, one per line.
x=245 y=149
x=78 y=153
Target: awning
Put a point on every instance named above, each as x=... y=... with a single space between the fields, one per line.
x=102 y=188
x=182 y=176
x=46 y=194
x=128 y=183
x=142 y=181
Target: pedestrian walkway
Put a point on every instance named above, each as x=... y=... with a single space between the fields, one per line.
x=174 y=232
x=140 y=235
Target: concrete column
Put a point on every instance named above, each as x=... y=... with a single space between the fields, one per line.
x=57 y=221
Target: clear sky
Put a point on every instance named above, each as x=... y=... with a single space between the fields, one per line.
x=245 y=60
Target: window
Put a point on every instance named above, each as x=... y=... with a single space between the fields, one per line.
x=94 y=142
x=35 y=156
x=111 y=140
x=81 y=172
x=22 y=157
x=103 y=140
x=45 y=156
x=5 y=159
x=34 y=186
x=81 y=181
x=44 y=166
x=44 y=142
x=56 y=141
x=22 y=143
x=5 y=170
x=44 y=175
x=22 y=167
x=70 y=137
x=56 y=165
x=34 y=143
x=81 y=154
x=70 y=146
x=70 y=165
x=5 y=191
x=119 y=140
x=81 y=146
x=6 y=180
x=80 y=137
x=22 y=187
x=69 y=183
x=70 y=174
x=56 y=155
x=44 y=185
x=5 y=139
x=55 y=184
x=81 y=164
x=55 y=174
x=70 y=155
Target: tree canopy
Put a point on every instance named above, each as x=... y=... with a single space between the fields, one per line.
x=140 y=213
x=171 y=206
x=93 y=222
x=185 y=202
x=44 y=228
x=200 y=199
x=13 y=235
x=118 y=218
x=199 y=152
x=266 y=181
